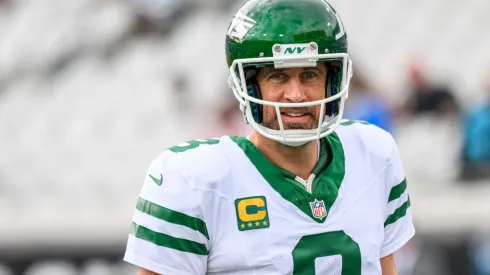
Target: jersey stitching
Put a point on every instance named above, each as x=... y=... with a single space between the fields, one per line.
x=205 y=241
x=209 y=242
x=135 y=258
x=195 y=188
x=221 y=196
x=366 y=188
x=218 y=194
x=398 y=242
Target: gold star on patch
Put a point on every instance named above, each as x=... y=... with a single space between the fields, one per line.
x=249 y=224
x=265 y=223
x=242 y=226
x=257 y=223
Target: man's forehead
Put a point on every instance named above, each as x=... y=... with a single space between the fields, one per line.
x=270 y=68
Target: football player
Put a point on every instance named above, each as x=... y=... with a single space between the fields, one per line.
x=305 y=193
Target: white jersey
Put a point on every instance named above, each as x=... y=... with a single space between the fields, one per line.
x=219 y=206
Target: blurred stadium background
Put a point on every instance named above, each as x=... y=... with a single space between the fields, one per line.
x=92 y=90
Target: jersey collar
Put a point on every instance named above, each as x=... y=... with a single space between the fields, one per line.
x=328 y=181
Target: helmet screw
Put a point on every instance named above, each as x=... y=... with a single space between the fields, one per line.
x=313 y=46
x=261 y=54
x=277 y=48
x=327 y=51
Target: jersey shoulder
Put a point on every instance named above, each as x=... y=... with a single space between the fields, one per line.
x=199 y=162
x=367 y=138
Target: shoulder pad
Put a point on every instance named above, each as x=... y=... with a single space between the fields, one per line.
x=200 y=161
x=374 y=140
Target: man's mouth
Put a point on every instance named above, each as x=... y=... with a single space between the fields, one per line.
x=294 y=114
x=295 y=117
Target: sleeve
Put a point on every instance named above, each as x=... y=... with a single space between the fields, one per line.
x=168 y=234
x=398 y=225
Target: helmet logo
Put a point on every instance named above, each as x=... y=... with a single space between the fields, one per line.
x=240 y=26
x=292 y=50
x=295 y=55
x=341 y=27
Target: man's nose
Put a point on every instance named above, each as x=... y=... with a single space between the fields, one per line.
x=294 y=91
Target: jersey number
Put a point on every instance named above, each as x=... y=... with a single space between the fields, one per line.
x=311 y=247
x=192 y=145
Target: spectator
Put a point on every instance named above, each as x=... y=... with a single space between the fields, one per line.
x=364 y=104
x=476 y=149
x=480 y=253
x=426 y=98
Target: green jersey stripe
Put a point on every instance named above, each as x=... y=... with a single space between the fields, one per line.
x=165 y=240
x=399 y=213
x=172 y=216
x=350 y=122
x=398 y=190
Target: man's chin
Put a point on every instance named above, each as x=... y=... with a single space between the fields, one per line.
x=298 y=127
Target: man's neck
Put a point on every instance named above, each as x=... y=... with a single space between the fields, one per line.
x=298 y=160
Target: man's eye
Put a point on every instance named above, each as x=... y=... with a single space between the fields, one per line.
x=277 y=77
x=309 y=75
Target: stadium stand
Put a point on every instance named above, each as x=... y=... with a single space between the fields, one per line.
x=87 y=101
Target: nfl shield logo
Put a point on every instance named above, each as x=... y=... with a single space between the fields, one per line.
x=318 y=209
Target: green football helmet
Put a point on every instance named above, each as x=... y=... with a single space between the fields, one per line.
x=288 y=34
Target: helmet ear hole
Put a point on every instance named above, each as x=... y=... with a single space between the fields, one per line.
x=253 y=90
x=334 y=83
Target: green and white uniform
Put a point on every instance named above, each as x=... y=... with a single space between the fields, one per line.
x=220 y=207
